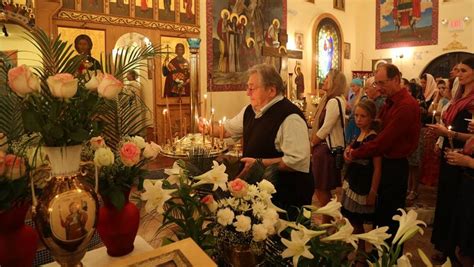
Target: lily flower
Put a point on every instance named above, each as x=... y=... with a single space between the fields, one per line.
x=174 y=173
x=376 y=237
x=333 y=209
x=307 y=233
x=296 y=247
x=424 y=258
x=155 y=196
x=344 y=234
x=404 y=261
x=215 y=176
x=409 y=226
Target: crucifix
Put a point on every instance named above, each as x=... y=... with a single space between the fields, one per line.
x=281 y=54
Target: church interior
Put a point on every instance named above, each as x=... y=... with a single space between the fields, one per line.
x=197 y=80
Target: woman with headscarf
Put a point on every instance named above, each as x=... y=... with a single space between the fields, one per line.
x=328 y=133
x=455 y=131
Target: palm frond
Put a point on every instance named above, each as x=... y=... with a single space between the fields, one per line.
x=10 y=113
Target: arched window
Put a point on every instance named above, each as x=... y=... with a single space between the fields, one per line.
x=328 y=45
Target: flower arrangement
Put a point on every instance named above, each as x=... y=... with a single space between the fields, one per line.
x=121 y=168
x=61 y=103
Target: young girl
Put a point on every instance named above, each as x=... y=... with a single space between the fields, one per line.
x=363 y=176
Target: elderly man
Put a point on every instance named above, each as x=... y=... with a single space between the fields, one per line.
x=400 y=117
x=374 y=94
x=275 y=132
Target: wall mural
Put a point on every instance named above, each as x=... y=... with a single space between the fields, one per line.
x=236 y=33
x=328 y=47
x=120 y=7
x=166 y=10
x=406 y=23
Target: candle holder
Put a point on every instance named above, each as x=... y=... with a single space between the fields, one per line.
x=450 y=138
x=181 y=147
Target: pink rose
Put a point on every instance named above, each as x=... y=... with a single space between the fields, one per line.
x=22 y=81
x=109 y=86
x=14 y=167
x=130 y=154
x=62 y=85
x=238 y=187
x=97 y=142
x=2 y=162
x=210 y=202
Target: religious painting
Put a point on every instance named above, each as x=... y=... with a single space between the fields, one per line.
x=339 y=4
x=380 y=61
x=120 y=7
x=405 y=23
x=92 y=6
x=166 y=10
x=97 y=38
x=347 y=50
x=69 y=4
x=299 y=41
x=187 y=11
x=144 y=9
x=328 y=47
x=237 y=31
x=175 y=67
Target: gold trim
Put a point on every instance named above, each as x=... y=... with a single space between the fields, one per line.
x=107 y=19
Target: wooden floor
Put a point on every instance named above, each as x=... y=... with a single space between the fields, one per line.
x=424 y=205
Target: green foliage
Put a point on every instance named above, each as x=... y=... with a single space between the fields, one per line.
x=12 y=191
x=10 y=115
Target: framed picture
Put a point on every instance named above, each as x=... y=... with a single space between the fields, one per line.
x=347 y=50
x=166 y=10
x=377 y=62
x=237 y=31
x=339 y=4
x=406 y=24
x=299 y=41
x=144 y=9
x=97 y=37
x=176 y=73
x=120 y=7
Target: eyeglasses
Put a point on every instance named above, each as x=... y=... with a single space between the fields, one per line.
x=381 y=83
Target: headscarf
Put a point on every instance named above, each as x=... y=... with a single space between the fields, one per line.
x=431 y=88
x=358 y=82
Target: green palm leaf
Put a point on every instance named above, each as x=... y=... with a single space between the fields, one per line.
x=10 y=113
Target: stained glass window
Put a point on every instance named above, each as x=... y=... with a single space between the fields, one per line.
x=328 y=48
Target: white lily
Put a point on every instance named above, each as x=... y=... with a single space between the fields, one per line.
x=215 y=176
x=447 y=263
x=409 y=226
x=404 y=261
x=307 y=233
x=343 y=234
x=306 y=213
x=174 y=173
x=333 y=209
x=296 y=247
x=376 y=237
x=155 y=196
x=424 y=258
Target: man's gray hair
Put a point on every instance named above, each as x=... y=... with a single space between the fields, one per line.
x=269 y=76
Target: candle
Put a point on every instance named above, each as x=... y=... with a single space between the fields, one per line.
x=221 y=131
x=169 y=117
x=211 y=132
x=204 y=125
x=164 y=124
x=205 y=106
x=185 y=126
x=450 y=137
x=180 y=117
x=433 y=118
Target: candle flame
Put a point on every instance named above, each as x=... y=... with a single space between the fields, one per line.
x=165 y=111
x=224 y=119
x=449 y=128
x=205 y=96
x=212 y=111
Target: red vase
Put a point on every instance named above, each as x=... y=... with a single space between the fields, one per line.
x=118 y=228
x=18 y=242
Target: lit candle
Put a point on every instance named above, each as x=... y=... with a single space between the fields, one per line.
x=185 y=127
x=180 y=117
x=204 y=125
x=221 y=126
x=433 y=118
x=169 y=117
x=450 y=137
x=211 y=132
x=164 y=124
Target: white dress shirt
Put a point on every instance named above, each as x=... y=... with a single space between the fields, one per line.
x=291 y=139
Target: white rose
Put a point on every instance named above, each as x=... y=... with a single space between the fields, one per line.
x=104 y=157
x=267 y=186
x=93 y=82
x=151 y=150
x=139 y=141
x=62 y=85
x=259 y=232
x=225 y=216
x=22 y=81
x=243 y=223
x=3 y=142
x=109 y=87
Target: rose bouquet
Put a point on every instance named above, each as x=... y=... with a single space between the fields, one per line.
x=119 y=169
x=58 y=101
